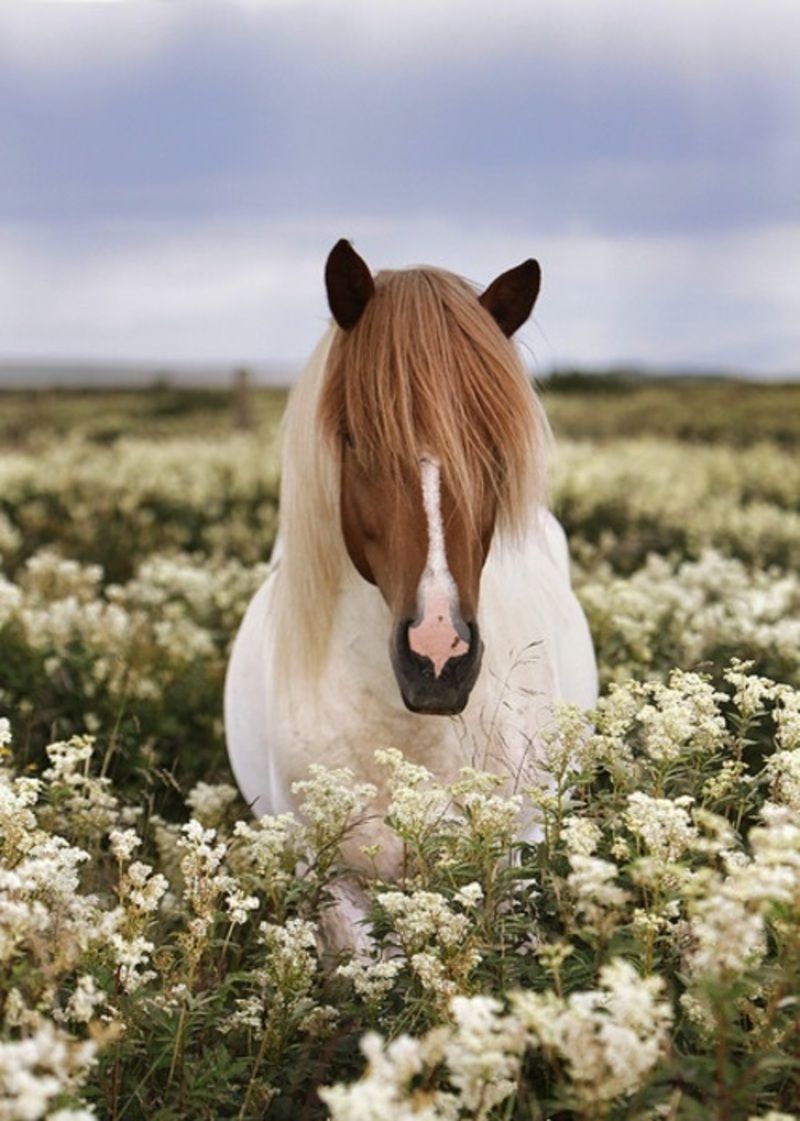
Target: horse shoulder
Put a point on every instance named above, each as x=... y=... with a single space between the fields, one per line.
x=251 y=717
x=554 y=539
x=530 y=606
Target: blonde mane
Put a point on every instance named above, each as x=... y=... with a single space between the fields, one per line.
x=426 y=370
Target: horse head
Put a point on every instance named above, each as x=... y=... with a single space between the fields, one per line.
x=435 y=426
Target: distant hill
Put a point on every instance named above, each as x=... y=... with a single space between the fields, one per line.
x=44 y=374
x=27 y=374
x=624 y=379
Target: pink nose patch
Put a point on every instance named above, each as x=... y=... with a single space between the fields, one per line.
x=435 y=637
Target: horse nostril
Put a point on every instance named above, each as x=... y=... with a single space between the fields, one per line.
x=423 y=689
x=437 y=639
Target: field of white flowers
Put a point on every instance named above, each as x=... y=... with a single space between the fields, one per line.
x=158 y=946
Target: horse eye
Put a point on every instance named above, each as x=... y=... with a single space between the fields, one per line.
x=347 y=438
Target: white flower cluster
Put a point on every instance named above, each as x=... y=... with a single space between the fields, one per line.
x=728 y=917
x=88 y=800
x=491 y=818
x=665 y=722
x=480 y=1050
x=418 y=804
x=433 y=937
x=209 y=802
x=225 y=930
x=332 y=802
x=165 y=495
x=423 y=917
x=291 y=959
x=666 y=615
x=38 y=1070
x=609 y=1039
x=262 y=847
x=598 y=897
x=205 y=882
x=741 y=500
x=134 y=639
x=661 y=825
x=581 y=835
x=371 y=980
x=681 y=715
x=50 y=925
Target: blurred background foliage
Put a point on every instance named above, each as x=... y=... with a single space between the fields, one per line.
x=580 y=405
x=135 y=526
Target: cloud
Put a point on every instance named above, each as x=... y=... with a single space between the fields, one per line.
x=181 y=170
x=254 y=292
x=151 y=294
x=291 y=114
x=691 y=36
x=61 y=38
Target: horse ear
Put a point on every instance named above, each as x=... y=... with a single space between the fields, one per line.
x=510 y=298
x=349 y=283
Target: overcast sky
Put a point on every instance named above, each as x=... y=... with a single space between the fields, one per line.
x=173 y=173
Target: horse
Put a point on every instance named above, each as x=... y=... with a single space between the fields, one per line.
x=419 y=594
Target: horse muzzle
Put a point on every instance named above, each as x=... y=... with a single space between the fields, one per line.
x=436 y=689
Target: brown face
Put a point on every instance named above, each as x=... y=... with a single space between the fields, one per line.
x=413 y=543
x=386 y=533
x=409 y=537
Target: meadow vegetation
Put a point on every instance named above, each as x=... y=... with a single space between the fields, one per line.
x=159 y=950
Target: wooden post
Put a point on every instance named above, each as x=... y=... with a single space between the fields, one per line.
x=242 y=400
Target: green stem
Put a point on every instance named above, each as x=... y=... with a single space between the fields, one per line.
x=262 y=1050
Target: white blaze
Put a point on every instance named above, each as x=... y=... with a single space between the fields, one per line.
x=432 y=501
x=435 y=636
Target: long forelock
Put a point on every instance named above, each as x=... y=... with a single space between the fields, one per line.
x=426 y=371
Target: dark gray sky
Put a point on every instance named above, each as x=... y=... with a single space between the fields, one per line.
x=174 y=173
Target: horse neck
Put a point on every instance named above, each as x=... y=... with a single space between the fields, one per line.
x=313 y=555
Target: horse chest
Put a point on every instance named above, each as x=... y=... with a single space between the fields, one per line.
x=355 y=707
x=537 y=651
